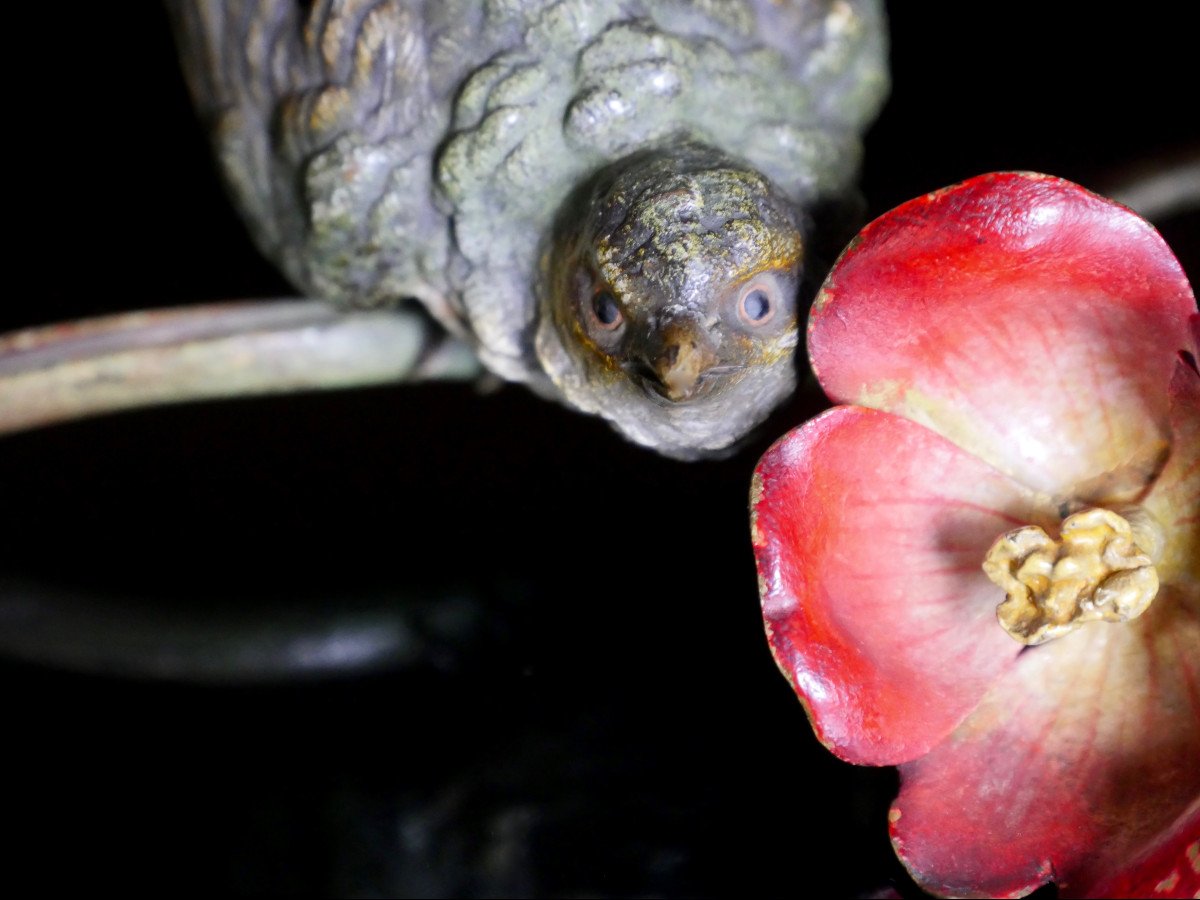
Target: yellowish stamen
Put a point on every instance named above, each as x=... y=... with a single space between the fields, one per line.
x=1102 y=569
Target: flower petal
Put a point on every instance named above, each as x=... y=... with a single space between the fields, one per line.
x=869 y=533
x=1080 y=755
x=1028 y=320
x=1175 y=498
x=1169 y=867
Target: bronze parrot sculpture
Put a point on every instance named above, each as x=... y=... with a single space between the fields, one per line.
x=607 y=201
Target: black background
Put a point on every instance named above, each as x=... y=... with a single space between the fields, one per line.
x=612 y=725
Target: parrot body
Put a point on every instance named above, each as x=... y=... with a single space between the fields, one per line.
x=479 y=155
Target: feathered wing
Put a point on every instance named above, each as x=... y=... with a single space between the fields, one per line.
x=239 y=58
x=324 y=118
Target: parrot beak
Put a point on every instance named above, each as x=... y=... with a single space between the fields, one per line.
x=684 y=357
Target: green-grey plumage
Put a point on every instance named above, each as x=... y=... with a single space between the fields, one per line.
x=384 y=150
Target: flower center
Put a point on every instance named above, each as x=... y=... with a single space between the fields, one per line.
x=1101 y=569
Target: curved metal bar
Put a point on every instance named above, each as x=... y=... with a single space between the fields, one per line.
x=1159 y=189
x=76 y=369
x=347 y=635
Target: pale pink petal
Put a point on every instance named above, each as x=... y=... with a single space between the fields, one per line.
x=1028 y=320
x=1085 y=751
x=1175 y=497
x=869 y=533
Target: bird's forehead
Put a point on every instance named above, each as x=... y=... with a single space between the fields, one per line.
x=685 y=239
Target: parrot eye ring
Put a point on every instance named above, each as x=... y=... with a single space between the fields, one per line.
x=756 y=307
x=606 y=312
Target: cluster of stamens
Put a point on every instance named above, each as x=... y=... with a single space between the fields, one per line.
x=1101 y=569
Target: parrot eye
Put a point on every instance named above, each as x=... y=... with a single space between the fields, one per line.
x=607 y=311
x=756 y=306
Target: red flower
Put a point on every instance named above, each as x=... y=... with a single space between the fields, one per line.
x=1017 y=350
